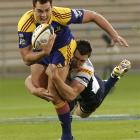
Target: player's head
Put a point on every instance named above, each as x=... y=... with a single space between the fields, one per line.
x=82 y=53
x=42 y=10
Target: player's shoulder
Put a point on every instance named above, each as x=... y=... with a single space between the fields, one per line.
x=60 y=10
x=26 y=22
x=88 y=66
x=85 y=73
x=87 y=69
x=61 y=15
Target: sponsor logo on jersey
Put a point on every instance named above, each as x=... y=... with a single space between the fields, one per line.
x=59 y=65
x=22 y=40
x=77 y=13
x=57 y=29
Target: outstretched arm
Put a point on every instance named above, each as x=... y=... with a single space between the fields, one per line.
x=90 y=16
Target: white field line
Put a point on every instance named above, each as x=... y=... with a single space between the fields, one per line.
x=43 y=119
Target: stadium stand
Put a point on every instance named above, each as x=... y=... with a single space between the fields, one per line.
x=123 y=15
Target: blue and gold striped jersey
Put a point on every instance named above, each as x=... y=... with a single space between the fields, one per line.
x=60 y=19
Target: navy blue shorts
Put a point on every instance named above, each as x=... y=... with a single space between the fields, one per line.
x=60 y=57
x=89 y=101
x=54 y=58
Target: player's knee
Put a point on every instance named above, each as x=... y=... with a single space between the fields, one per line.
x=82 y=112
x=82 y=115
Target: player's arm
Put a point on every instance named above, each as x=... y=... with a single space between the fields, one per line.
x=91 y=16
x=39 y=92
x=68 y=92
x=30 y=57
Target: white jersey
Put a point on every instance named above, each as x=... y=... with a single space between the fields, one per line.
x=85 y=75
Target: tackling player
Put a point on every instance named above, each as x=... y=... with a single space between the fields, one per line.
x=84 y=83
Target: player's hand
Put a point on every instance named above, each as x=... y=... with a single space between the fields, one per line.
x=52 y=71
x=47 y=47
x=118 y=40
x=44 y=94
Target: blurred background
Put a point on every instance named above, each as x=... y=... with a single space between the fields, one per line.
x=123 y=15
x=25 y=117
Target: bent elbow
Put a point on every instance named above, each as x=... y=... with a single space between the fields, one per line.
x=28 y=63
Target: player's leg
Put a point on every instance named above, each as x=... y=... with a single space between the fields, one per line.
x=91 y=100
x=62 y=59
x=37 y=82
x=117 y=72
x=81 y=113
x=122 y=68
x=61 y=106
x=38 y=91
x=86 y=105
x=39 y=77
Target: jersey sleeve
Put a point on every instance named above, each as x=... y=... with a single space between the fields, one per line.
x=67 y=16
x=84 y=75
x=77 y=16
x=25 y=29
x=24 y=39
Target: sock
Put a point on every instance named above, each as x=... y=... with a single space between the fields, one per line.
x=110 y=83
x=64 y=116
x=72 y=106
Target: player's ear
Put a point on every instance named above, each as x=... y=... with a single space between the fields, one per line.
x=33 y=7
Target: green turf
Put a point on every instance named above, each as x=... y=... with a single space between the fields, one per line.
x=105 y=130
x=16 y=102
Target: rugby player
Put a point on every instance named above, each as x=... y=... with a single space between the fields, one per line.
x=59 y=52
x=85 y=87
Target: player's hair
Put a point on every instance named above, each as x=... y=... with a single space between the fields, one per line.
x=84 y=47
x=41 y=2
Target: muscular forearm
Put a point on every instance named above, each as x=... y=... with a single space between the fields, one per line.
x=29 y=57
x=33 y=57
x=91 y=16
x=65 y=91
x=104 y=24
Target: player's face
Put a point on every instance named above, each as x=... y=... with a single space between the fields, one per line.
x=78 y=60
x=42 y=12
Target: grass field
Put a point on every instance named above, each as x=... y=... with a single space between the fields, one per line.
x=25 y=117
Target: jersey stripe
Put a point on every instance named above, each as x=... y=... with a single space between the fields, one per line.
x=62 y=16
x=27 y=24
x=69 y=54
x=86 y=71
x=65 y=14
